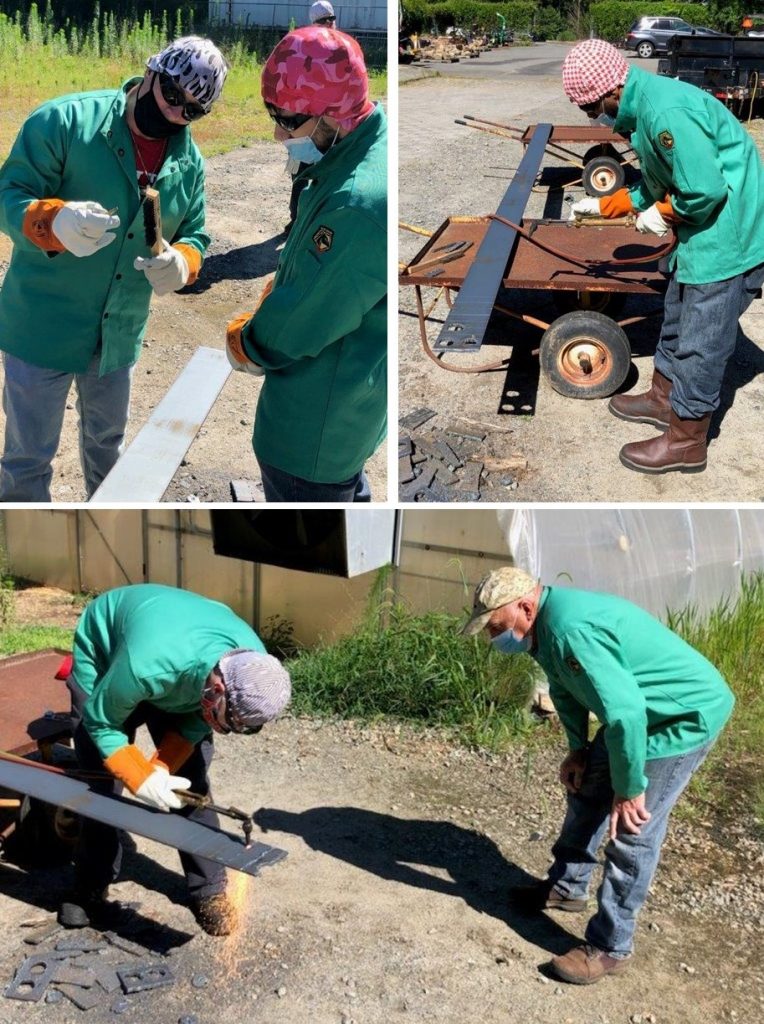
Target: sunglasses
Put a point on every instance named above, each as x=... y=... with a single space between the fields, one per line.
x=174 y=96
x=289 y=122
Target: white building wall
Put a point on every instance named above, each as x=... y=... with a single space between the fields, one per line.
x=363 y=15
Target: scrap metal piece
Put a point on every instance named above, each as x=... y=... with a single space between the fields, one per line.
x=416 y=418
x=34 y=938
x=120 y=1006
x=106 y=976
x=32 y=978
x=83 y=998
x=405 y=445
x=171 y=829
x=419 y=485
x=72 y=975
x=74 y=944
x=144 y=977
x=446 y=477
x=247 y=491
x=427 y=443
x=470 y=477
x=405 y=469
x=466 y=449
x=467 y=320
x=446 y=452
x=463 y=428
x=124 y=944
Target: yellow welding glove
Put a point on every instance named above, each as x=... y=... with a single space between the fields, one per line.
x=172 y=752
x=193 y=259
x=130 y=766
x=617 y=205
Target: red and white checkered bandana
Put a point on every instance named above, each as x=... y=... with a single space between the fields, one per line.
x=317 y=70
x=591 y=70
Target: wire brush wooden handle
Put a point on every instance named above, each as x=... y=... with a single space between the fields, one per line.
x=152 y=220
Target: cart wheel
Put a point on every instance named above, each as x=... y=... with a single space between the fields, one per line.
x=599 y=150
x=603 y=176
x=585 y=355
x=610 y=303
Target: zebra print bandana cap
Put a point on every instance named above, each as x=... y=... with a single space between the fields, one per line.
x=196 y=65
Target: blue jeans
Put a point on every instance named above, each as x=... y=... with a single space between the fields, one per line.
x=698 y=337
x=34 y=400
x=630 y=861
x=281 y=486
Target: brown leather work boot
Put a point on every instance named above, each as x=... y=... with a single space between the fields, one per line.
x=651 y=406
x=216 y=914
x=681 y=448
x=585 y=964
x=541 y=895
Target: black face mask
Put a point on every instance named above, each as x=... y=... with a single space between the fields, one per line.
x=150 y=119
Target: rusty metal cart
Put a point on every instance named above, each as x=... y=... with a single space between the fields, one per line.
x=593 y=267
x=603 y=165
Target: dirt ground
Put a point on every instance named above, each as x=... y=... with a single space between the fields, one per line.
x=247 y=207
x=391 y=905
x=571 y=445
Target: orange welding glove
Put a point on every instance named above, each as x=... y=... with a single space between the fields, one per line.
x=37 y=224
x=666 y=210
x=193 y=258
x=235 y=350
x=172 y=752
x=130 y=766
x=617 y=205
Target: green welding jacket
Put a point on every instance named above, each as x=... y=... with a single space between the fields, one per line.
x=151 y=643
x=56 y=310
x=322 y=332
x=655 y=695
x=692 y=148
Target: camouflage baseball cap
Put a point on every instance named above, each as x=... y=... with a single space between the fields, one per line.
x=500 y=587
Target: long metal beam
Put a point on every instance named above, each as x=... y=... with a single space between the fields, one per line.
x=146 y=469
x=170 y=829
x=467 y=321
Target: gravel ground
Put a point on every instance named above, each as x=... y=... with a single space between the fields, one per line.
x=392 y=903
x=571 y=445
x=247 y=207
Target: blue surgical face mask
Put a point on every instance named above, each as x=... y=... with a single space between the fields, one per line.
x=508 y=643
x=606 y=120
x=303 y=151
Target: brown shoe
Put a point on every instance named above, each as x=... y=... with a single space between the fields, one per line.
x=682 y=448
x=532 y=899
x=216 y=914
x=651 y=406
x=584 y=965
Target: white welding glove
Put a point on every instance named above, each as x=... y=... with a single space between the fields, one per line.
x=157 y=790
x=84 y=228
x=167 y=272
x=586 y=207
x=652 y=220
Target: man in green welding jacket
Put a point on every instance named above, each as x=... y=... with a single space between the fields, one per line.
x=702 y=175
x=661 y=706
x=184 y=666
x=319 y=335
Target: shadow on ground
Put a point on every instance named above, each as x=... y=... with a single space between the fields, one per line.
x=402 y=850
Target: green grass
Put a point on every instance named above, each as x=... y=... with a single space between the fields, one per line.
x=40 y=64
x=18 y=639
x=417 y=668
x=732 y=638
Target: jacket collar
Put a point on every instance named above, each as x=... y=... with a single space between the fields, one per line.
x=116 y=131
x=351 y=150
x=631 y=99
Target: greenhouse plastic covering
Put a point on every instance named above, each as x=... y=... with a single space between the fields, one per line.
x=660 y=558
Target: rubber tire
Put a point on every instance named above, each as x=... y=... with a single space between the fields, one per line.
x=599 y=150
x=645 y=49
x=612 y=167
x=559 y=363
x=609 y=303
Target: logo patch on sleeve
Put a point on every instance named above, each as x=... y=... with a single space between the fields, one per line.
x=666 y=139
x=323 y=239
x=573 y=665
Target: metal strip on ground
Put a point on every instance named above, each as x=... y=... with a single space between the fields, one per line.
x=146 y=469
x=170 y=829
x=466 y=323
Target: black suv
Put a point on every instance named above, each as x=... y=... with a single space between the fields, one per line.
x=652 y=34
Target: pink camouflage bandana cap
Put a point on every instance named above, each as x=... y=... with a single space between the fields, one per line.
x=317 y=70
x=592 y=70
